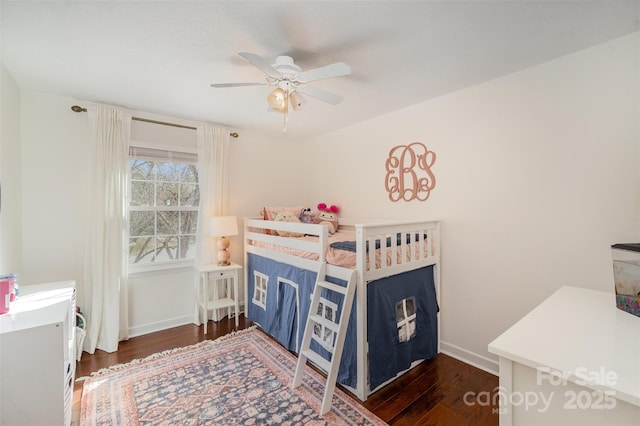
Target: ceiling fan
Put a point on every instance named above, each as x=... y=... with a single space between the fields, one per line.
x=291 y=82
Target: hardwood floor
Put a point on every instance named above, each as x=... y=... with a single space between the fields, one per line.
x=433 y=393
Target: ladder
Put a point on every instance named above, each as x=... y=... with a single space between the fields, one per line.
x=338 y=329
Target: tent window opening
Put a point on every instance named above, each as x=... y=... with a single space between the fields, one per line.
x=406 y=319
x=260 y=290
x=322 y=334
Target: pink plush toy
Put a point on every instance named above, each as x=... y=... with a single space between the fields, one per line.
x=329 y=216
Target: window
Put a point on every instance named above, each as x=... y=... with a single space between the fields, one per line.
x=406 y=319
x=163 y=206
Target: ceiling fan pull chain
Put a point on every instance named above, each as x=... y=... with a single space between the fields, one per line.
x=286 y=109
x=284 y=123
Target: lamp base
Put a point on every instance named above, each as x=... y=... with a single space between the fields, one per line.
x=223 y=252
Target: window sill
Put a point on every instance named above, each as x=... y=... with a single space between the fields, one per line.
x=145 y=270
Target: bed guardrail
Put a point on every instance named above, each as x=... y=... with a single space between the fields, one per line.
x=265 y=232
x=400 y=246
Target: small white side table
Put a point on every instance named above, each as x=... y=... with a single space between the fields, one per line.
x=212 y=274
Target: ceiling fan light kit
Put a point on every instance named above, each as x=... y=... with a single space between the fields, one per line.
x=291 y=82
x=297 y=101
x=278 y=100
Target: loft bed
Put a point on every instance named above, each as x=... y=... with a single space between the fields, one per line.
x=393 y=324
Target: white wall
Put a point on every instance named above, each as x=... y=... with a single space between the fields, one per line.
x=537 y=175
x=54 y=143
x=265 y=171
x=11 y=200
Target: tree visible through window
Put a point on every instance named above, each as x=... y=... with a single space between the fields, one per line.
x=163 y=211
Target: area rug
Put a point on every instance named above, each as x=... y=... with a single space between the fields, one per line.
x=240 y=379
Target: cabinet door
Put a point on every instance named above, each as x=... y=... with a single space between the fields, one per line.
x=33 y=374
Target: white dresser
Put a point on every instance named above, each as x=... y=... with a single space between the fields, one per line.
x=37 y=356
x=573 y=360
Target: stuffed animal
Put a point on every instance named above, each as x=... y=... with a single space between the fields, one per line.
x=286 y=216
x=306 y=215
x=328 y=216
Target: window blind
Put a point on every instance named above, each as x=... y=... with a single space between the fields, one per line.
x=143 y=153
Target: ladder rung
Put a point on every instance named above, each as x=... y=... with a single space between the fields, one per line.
x=323 y=321
x=316 y=359
x=333 y=287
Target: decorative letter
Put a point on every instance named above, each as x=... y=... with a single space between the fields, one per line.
x=409 y=174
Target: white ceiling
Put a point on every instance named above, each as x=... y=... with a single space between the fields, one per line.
x=160 y=57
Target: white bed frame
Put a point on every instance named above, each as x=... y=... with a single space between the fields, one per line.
x=254 y=230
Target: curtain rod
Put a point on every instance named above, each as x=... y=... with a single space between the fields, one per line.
x=77 y=108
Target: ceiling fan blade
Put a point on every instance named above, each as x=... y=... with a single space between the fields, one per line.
x=329 y=71
x=221 y=85
x=261 y=64
x=323 y=95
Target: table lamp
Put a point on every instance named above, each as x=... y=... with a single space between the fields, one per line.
x=223 y=227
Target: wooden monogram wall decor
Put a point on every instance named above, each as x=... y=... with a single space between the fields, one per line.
x=409 y=174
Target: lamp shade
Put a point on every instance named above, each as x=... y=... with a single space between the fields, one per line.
x=278 y=100
x=223 y=226
x=297 y=101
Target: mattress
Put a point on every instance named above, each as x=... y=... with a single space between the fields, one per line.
x=341 y=256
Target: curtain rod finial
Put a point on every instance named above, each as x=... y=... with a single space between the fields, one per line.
x=77 y=108
x=233 y=134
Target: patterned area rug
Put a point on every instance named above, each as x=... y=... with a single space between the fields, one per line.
x=242 y=379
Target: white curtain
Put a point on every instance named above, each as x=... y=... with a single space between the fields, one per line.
x=106 y=254
x=213 y=172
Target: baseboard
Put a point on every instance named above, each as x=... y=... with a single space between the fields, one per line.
x=468 y=357
x=140 y=330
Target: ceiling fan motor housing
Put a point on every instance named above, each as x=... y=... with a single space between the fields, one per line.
x=286 y=66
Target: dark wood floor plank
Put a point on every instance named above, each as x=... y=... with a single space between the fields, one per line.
x=382 y=396
x=430 y=394
x=439 y=415
x=424 y=392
